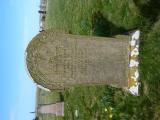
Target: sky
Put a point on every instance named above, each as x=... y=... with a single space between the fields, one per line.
x=19 y=23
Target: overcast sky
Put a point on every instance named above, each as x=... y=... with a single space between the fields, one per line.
x=19 y=21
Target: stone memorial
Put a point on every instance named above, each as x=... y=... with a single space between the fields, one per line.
x=59 y=61
x=56 y=109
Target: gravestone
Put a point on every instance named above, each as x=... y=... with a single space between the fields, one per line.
x=58 y=61
x=57 y=109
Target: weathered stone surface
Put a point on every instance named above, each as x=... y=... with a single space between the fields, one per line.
x=57 y=109
x=58 y=61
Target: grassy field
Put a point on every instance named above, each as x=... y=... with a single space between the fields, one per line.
x=107 y=18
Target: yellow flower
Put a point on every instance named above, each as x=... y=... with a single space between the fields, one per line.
x=110 y=116
x=105 y=110
x=110 y=108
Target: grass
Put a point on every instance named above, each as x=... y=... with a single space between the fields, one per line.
x=89 y=16
x=107 y=18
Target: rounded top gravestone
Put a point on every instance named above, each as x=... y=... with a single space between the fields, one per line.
x=57 y=61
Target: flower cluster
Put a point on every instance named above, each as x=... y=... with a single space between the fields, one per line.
x=133 y=64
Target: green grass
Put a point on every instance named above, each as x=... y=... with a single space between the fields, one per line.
x=84 y=16
x=107 y=18
x=47 y=97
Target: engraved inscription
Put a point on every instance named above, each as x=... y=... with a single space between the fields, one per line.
x=66 y=62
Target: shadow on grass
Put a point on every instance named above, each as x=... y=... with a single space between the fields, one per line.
x=102 y=27
x=149 y=9
x=61 y=96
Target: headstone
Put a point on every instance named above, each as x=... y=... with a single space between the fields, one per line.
x=56 y=109
x=57 y=61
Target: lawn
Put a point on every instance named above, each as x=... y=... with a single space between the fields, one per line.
x=107 y=18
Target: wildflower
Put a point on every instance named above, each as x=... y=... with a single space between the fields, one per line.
x=105 y=110
x=135 y=52
x=110 y=116
x=134 y=63
x=110 y=108
x=76 y=113
x=136 y=35
x=133 y=43
x=136 y=74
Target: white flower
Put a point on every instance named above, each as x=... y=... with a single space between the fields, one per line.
x=137 y=46
x=136 y=35
x=76 y=113
x=135 y=52
x=134 y=90
x=136 y=74
x=133 y=42
x=134 y=78
x=133 y=63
